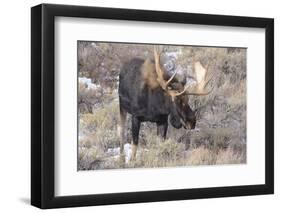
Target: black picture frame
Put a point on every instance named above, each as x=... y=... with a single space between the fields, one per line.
x=43 y=105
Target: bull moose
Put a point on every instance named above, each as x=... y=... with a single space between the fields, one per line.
x=148 y=93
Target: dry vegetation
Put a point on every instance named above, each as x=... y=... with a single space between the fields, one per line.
x=220 y=134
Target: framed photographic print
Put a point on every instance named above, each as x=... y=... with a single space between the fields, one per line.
x=139 y=106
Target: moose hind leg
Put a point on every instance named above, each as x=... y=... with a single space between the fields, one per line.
x=135 y=135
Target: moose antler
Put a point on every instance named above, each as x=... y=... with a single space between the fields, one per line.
x=200 y=75
x=160 y=73
x=160 y=77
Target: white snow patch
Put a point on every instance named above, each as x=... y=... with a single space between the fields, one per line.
x=85 y=80
x=115 y=152
x=88 y=83
x=128 y=152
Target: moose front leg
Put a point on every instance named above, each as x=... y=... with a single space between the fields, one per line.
x=162 y=129
x=135 y=134
x=121 y=132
